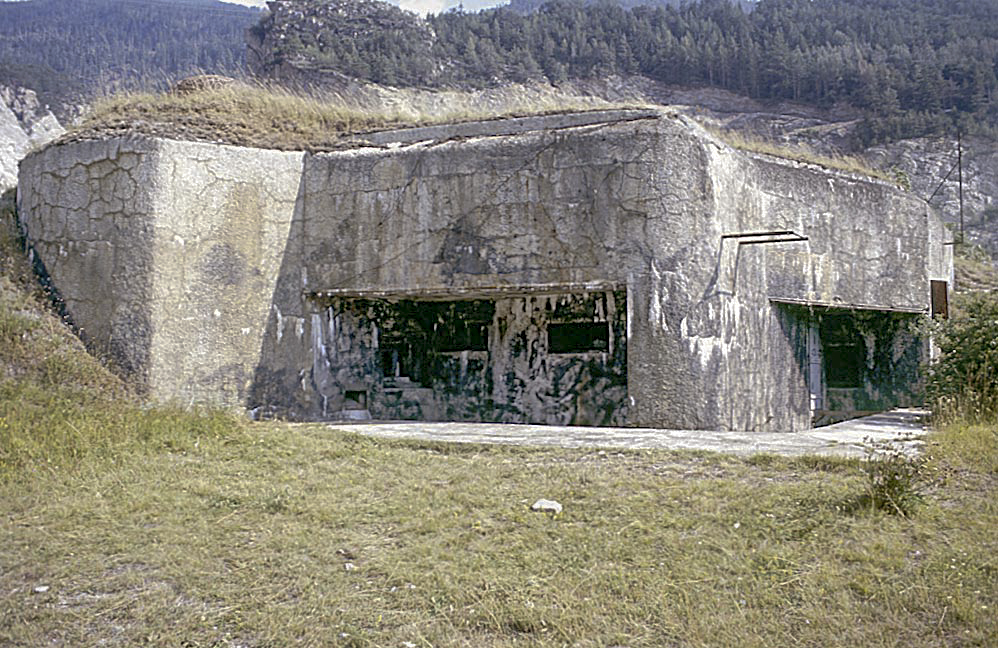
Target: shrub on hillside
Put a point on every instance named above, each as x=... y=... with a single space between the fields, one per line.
x=963 y=380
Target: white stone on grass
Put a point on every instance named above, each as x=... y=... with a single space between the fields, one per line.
x=546 y=506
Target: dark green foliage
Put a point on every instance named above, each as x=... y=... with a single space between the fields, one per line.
x=69 y=48
x=963 y=381
x=911 y=68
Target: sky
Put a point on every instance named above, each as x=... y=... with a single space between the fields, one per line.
x=419 y=6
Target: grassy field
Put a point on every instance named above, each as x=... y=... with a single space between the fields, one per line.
x=123 y=525
x=284 y=535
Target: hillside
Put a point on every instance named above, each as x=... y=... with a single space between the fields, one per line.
x=838 y=76
x=57 y=55
x=67 y=51
x=910 y=69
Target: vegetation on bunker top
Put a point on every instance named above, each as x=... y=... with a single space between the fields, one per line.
x=271 y=117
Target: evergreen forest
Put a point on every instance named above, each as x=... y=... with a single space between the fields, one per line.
x=913 y=67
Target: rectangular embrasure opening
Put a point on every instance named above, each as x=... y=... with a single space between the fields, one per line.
x=578 y=337
x=531 y=358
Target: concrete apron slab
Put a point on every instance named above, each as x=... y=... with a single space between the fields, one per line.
x=902 y=427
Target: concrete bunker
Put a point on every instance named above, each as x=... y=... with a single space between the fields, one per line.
x=617 y=267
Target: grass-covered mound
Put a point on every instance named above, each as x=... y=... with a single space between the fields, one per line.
x=271 y=117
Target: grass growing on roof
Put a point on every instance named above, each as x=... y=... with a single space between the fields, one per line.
x=800 y=153
x=253 y=115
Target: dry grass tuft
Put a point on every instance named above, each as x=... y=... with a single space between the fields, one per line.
x=802 y=153
x=247 y=115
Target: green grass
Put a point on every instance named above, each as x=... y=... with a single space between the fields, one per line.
x=249 y=543
x=125 y=525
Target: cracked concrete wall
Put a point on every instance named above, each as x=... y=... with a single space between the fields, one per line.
x=642 y=200
x=166 y=255
x=214 y=275
x=221 y=239
x=869 y=246
x=621 y=201
x=88 y=212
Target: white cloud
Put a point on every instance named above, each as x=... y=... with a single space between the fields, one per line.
x=419 y=6
x=424 y=6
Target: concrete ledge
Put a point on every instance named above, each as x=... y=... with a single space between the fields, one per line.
x=499 y=127
x=846 y=439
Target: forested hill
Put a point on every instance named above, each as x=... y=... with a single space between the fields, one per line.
x=914 y=66
x=64 y=47
x=528 y=6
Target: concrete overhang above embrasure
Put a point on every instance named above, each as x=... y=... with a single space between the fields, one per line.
x=506 y=126
x=477 y=292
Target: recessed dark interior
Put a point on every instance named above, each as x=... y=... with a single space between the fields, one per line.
x=578 y=337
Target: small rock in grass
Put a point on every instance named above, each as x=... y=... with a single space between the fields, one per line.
x=546 y=506
x=41 y=589
x=349 y=566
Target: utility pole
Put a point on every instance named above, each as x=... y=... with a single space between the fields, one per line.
x=959 y=176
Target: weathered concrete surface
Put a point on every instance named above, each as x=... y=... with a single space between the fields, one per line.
x=902 y=428
x=166 y=255
x=213 y=273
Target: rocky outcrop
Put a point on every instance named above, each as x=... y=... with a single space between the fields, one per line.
x=24 y=124
x=931 y=166
x=305 y=43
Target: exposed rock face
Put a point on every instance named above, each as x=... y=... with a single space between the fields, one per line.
x=13 y=146
x=588 y=268
x=24 y=124
x=931 y=166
